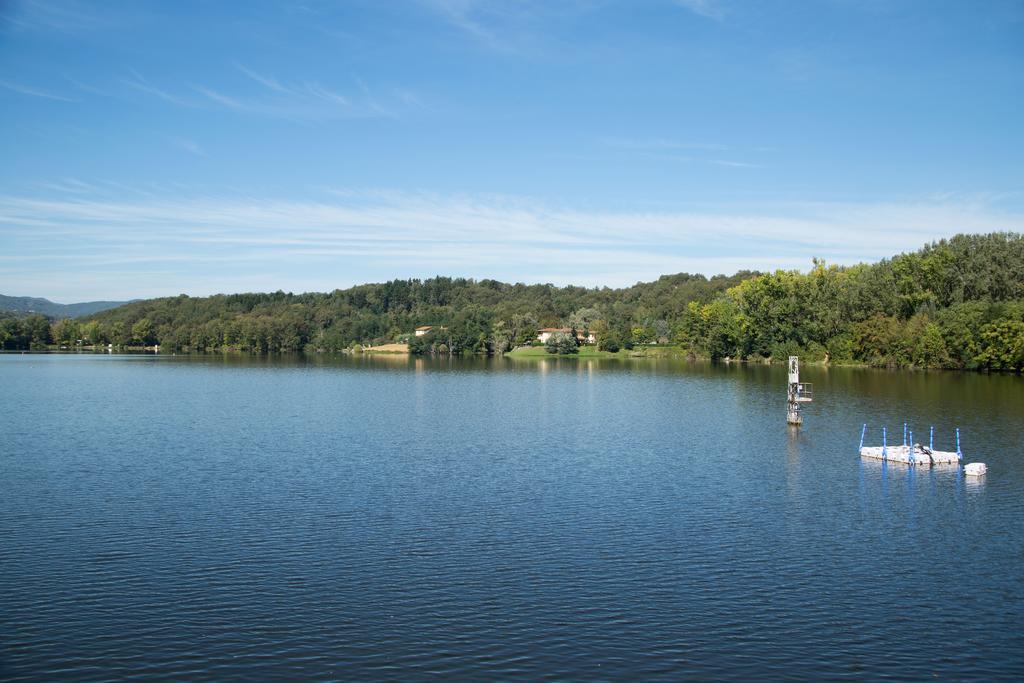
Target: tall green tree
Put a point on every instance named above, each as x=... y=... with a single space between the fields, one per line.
x=1002 y=345
x=561 y=343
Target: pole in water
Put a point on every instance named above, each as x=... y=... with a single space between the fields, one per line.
x=959 y=453
x=793 y=393
x=931 y=438
x=885 y=451
x=911 y=446
x=862 y=430
x=904 y=433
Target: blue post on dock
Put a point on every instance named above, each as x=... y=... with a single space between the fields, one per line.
x=904 y=433
x=885 y=450
x=931 y=438
x=862 y=430
x=911 y=446
x=959 y=453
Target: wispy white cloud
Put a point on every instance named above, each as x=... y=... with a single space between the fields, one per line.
x=524 y=29
x=734 y=164
x=222 y=99
x=281 y=109
x=139 y=83
x=661 y=144
x=373 y=236
x=693 y=152
x=190 y=146
x=710 y=9
x=301 y=101
x=327 y=95
x=459 y=13
x=69 y=16
x=300 y=91
x=267 y=81
x=531 y=28
x=86 y=87
x=408 y=97
x=33 y=91
x=70 y=185
x=294 y=101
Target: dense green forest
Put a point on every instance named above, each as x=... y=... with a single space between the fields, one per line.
x=956 y=303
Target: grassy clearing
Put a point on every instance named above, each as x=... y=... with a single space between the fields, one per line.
x=387 y=348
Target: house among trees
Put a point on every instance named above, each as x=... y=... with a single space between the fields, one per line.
x=545 y=333
x=423 y=329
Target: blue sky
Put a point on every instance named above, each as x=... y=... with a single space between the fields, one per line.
x=158 y=148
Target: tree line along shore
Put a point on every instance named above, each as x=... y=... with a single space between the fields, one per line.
x=956 y=303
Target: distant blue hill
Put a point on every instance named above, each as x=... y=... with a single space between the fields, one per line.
x=26 y=305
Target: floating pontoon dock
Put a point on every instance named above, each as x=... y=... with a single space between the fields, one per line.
x=922 y=455
x=911 y=453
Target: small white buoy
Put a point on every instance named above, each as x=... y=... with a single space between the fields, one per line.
x=975 y=469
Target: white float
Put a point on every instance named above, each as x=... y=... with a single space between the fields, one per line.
x=975 y=469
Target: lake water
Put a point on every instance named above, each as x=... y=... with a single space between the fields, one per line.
x=387 y=518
